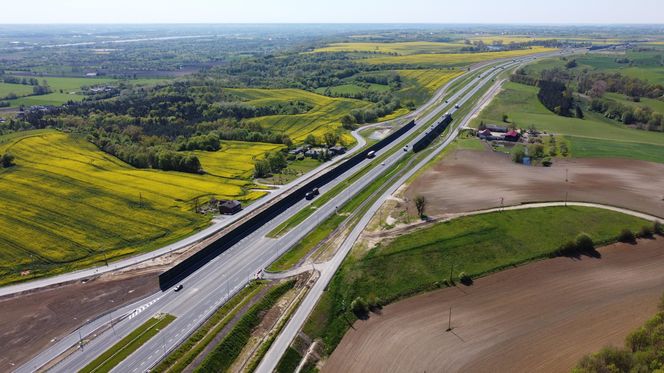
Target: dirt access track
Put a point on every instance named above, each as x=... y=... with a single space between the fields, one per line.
x=475 y=180
x=541 y=317
x=31 y=322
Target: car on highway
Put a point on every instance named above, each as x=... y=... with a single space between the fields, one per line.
x=371 y=154
x=309 y=196
x=457 y=106
x=178 y=288
x=315 y=191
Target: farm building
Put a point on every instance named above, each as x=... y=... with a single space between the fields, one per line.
x=495 y=128
x=338 y=150
x=229 y=207
x=512 y=135
x=485 y=134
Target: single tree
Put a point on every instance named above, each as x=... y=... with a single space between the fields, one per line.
x=420 y=205
x=7 y=160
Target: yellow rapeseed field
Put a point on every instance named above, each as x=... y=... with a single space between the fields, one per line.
x=404 y=48
x=431 y=79
x=65 y=203
x=451 y=59
x=324 y=117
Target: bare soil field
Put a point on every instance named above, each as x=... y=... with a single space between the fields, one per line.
x=541 y=317
x=30 y=322
x=471 y=180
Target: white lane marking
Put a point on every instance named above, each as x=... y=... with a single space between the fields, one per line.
x=142 y=308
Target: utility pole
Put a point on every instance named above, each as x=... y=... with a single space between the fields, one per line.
x=110 y=316
x=451 y=270
x=502 y=203
x=566 y=178
x=140 y=199
x=80 y=339
x=566 y=199
x=449 y=321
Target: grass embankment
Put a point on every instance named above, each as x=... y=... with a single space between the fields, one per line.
x=325 y=116
x=225 y=353
x=179 y=359
x=132 y=342
x=593 y=136
x=289 y=361
x=476 y=245
x=643 y=351
x=66 y=205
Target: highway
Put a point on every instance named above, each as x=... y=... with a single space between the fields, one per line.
x=278 y=348
x=209 y=287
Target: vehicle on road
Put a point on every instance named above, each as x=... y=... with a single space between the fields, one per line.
x=371 y=154
x=309 y=196
x=315 y=191
x=457 y=106
x=178 y=288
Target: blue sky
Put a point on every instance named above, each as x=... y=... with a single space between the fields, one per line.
x=336 y=11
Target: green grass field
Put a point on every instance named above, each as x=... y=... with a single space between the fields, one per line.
x=521 y=105
x=66 y=205
x=583 y=147
x=451 y=59
x=324 y=117
x=132 y=342
x=17 y=89
x=476 y=245
x=71 y=89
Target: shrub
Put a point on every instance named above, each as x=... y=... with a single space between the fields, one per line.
x=360 y=307
x=465 y=279
x=646 y=232
x=657 y=228
x=568 y=248
x=584 y=242
x=626 y=236
x=547 y=162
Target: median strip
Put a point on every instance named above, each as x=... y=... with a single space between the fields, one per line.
x=132 y=342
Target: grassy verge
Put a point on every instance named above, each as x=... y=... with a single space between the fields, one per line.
x=179 y=359
x=224 y=354
x=476 y=245
x=289 y=361
x=262 y=350
x=113 y=356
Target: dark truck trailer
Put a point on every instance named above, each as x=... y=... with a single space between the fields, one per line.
x=432 y=133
